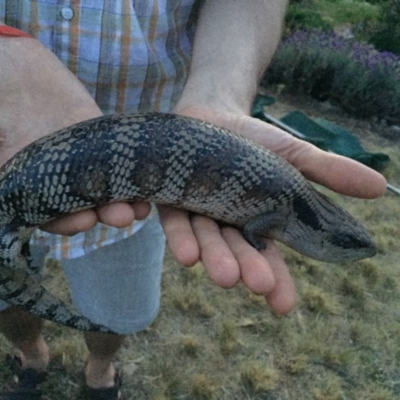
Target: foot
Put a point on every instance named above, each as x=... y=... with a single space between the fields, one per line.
x=35 y=355
x=99 y=375
x=102 y=381
x=25 y=382
x=105 y=393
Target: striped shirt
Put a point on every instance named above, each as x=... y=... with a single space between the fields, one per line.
x=131 y=55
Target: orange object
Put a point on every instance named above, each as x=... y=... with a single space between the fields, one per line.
x=8 y=31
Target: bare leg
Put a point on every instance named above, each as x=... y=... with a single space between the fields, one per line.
x=100 y=370
x=23 y=330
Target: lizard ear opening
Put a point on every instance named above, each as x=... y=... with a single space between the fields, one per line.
x=260 y=227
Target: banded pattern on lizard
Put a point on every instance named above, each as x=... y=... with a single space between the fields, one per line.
x=165 y=159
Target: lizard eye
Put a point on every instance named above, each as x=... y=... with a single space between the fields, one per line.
x=347 y=240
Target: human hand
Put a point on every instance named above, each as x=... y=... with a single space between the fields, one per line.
x=39 y=96
x=225 y=254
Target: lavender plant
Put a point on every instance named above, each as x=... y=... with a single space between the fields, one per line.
x=354 y=75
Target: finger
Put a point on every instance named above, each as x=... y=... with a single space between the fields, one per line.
x=118 y=215
x=141 y=209
x=340 y=174
x=72 y=224
x=122 y=214
x=282 y=299
x=179 y=234
x=215 y=254
x=255 y=271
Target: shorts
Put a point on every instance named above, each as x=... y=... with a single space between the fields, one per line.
x=117 y=285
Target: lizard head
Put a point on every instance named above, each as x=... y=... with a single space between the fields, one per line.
x=324 y=231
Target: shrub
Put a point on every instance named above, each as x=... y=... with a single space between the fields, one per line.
x=362 y=80
x=387 y=36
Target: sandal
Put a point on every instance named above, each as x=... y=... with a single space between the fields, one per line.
x=23 y=385
x=111 y=393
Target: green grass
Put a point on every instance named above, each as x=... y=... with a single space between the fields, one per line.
x=346 y=11
x=334 y=14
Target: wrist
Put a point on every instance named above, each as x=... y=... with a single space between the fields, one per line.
x=226 y=95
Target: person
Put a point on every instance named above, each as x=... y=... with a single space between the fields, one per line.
x=201 y=59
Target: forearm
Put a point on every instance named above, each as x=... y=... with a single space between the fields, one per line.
x=38 y=95
x=234 y=44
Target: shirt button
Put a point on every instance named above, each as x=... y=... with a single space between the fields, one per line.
x=67 y=13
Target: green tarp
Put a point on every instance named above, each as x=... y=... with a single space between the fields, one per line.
x=325 y=135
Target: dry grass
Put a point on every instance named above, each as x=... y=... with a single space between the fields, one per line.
x=341 y=342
